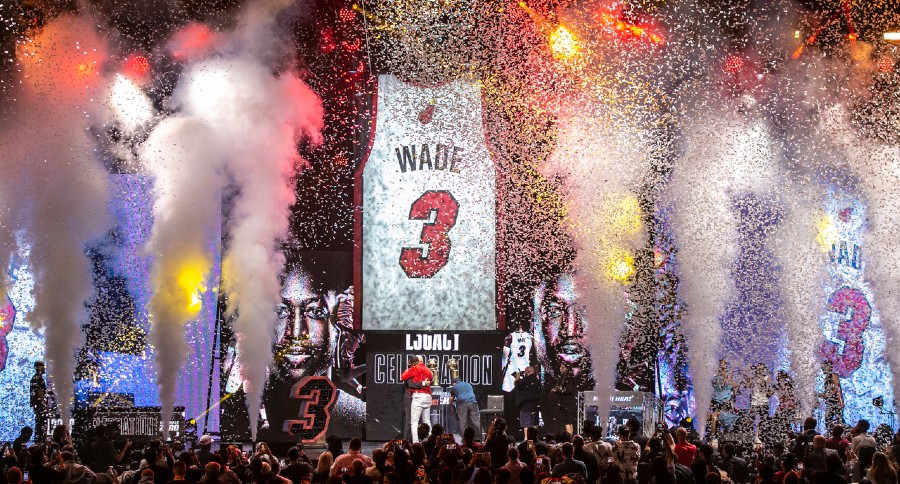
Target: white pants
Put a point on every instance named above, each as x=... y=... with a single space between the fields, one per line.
x=419 y=412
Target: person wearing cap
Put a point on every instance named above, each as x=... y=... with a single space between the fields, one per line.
x=204 y=453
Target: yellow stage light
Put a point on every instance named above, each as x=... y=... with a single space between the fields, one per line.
x=828 y=233
x=619 y=265
x=563 y=43
x=190 y=280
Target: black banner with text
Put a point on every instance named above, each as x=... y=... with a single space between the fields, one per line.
x=474 y=356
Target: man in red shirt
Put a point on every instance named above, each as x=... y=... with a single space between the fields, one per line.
x=838 y=442
x=684 y=449
x=420 y=408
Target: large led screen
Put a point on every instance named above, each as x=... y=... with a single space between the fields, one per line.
x=428 y=223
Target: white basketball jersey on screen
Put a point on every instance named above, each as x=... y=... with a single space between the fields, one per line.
x=519 y=357
x=428 y=212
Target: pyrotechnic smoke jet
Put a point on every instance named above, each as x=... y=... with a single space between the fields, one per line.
x=54 y=189
x=726 y=152
x=238 y=125
x=603 y=165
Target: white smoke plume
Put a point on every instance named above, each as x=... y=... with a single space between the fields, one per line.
x=187 y=186
x=603 y=165
x=802 y=261
x=725 y=153
x=240 y=124
x=54 y=187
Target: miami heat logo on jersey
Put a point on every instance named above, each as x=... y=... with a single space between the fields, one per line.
x=427 y=228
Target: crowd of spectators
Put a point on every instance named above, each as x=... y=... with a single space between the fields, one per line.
x=669 y=456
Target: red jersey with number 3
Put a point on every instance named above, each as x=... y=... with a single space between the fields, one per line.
x=428 y=222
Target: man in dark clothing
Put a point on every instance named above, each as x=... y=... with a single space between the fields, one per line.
x=803 y=442
x=815 y=458
x=569 y=465
x=296 y=470
x=161 y=474
x=39 y=473
x=532 y=446
x=497 y=442
x=528 y=396
x=193 y=469
x=204 y=453
x=590 y=462
x=38 y=400
x=563 y=397
x=105 y=455
x=637 y=435
x=20 y=445
x=734 y=466
x=703 y=463
x=429 y=444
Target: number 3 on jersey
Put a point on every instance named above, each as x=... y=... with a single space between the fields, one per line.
x=412 y=259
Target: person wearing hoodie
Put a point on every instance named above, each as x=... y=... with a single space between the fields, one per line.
x=75 y=472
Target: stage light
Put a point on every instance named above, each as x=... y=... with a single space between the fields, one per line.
x=828 y=233
x=190 y=280
x=191 y=40
x=892 y=36
x=352 y=46
x=138 y=65
x=563 y=43
x=796 y=34
x=885 y=64
x=346 y=15
x=734 y=64
x=619 y=265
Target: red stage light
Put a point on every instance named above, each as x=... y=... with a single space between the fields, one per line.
x=352 y=46
x=192 y=40
x=138 y=65
x=885 y=64
x=734 y=64
x=346 y=15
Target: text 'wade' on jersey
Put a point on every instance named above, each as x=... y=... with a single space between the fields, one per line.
x=428 y=224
